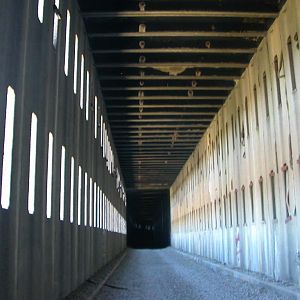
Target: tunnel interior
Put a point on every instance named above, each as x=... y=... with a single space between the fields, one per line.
x=148 y=219
x=147 y=124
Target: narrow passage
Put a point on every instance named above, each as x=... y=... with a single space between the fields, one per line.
x=166 y=274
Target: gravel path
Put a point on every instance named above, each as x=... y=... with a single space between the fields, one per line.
x=166 y=274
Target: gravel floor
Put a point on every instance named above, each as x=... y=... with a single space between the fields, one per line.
x=166 y=274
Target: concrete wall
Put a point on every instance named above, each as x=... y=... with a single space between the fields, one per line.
x=236 y=198
x=47 y=248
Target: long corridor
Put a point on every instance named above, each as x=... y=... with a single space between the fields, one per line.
x=167 y=274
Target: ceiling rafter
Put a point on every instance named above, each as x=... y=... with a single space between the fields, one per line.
x=179 y=14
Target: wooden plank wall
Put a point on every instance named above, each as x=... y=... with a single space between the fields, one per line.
x=45 y=256
x=236 y=198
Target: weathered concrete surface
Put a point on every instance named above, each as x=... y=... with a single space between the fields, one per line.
x=166 y=274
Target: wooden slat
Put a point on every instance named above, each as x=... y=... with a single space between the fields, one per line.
x=125 y=105
x=161 y=113
x=177 y=50
x=171 y=97
x=170 y=136
x=128 y=126
x=160 y=65
x=169 y=88
x=169 y=77
x=159 y=120
x=179 y=14
x=192 y=34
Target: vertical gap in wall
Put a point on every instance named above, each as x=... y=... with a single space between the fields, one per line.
x=239 y=123
x=247 y=115
x=67 y=45
x=232 y=131
x=41 y=10
x=96 y=116
x=8 y=148
x=272 y=179
x=266 y=93
x=292 y=64
x=32 y=163
x=79 y=196
x=291 y=152
x=72 y=191
x=256 y=106
x=216 y=219
x=277 y=77
x=56 y=19
x=237 y=208
x=49 y=176
x=286 y=195
x=244 y=205
x=75 y=75
x=220 y=213
x=62 y=183
x=230 y=209
x=91 y=203
x=85 y=198
x=98 y=207
x=81 y=81
x=101 y=131
x=101 y=210
x=87 y=95
x=225 y=212
x=251 y=199
x=261 y=186
x=227 y=140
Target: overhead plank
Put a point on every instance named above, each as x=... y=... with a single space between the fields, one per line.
x=177 y=50
x=161 y=65
x=179 y=14
x=193 y=34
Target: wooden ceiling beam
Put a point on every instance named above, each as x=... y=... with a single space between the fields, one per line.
x=179 y=50
x=168 y=88
x=180 y=14
x=114 y=98
x=160 y=120
x=181 y=106
x=143 y=136
x=152 y=126
x=161 y=140
x=147 y=133
x=192 y=34
x=162 y=65
x=170 y=77
x=161 y=113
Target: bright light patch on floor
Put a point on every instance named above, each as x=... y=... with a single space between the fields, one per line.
x=72 y=191
x=32 y=164
x=79 y=197
x=49 y=175
x=75 y=64
x=67 y=47
x=62 y=183
x=41 y=10
x=8 y=148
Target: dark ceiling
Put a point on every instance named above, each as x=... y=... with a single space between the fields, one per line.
x=166 y=68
